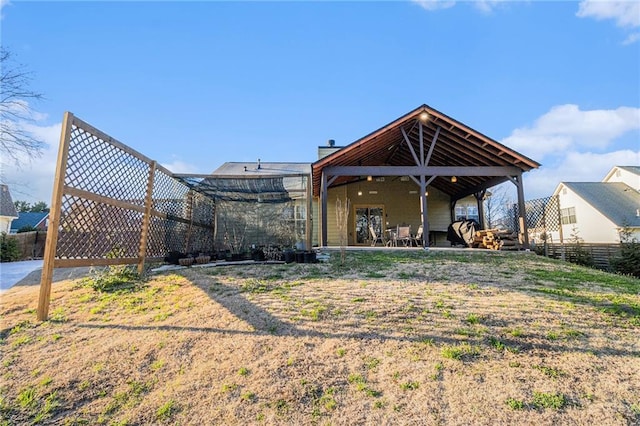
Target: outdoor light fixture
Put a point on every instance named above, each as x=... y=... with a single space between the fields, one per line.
x=424 y=116
x=454 y=179
x=369 y=178
x=359 y=193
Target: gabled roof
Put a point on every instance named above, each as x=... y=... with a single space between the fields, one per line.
x=6 y=203
x=457 y=145
x=631 y=169
x=615 y=200
x=32 y=219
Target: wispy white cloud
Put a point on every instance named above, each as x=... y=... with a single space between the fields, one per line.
x=435 y=4
x=3 y=3
x=567 y=128
x=576 y=167
x=631 y=39
x=179 y=166
x=485 y=6
x=625 y=13
x=488 y=6
x=31 y=179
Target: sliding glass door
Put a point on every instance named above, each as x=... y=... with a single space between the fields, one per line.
x=368 y=216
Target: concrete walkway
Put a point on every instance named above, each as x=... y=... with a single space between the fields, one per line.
x=12 y=272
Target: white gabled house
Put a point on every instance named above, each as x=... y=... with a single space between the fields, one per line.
x=597 y=211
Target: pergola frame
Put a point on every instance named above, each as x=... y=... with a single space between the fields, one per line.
x=423 y=171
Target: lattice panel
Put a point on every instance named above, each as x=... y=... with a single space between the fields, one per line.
x=543 y=214
x=165 y=236
x=202 y=240
x=90 y=229
x=169 y=195
x=102 y=168
x=203 y=209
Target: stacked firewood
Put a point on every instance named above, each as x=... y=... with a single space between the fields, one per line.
x=496 y=239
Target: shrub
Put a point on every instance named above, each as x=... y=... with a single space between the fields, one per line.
x=628 y=260
x=114 y=278
x=9 y=250
x=578 y=255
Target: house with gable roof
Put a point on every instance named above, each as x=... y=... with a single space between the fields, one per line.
x=36 y=220
x=7 y=209
x=596 y=212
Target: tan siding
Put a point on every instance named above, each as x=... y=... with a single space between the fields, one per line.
x=400 y=206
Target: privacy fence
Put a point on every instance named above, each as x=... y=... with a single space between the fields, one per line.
x=542 y=216
x=112 y=205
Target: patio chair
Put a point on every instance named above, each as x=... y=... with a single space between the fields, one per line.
x=403 y=235
x=418 y=238
x=375 y=238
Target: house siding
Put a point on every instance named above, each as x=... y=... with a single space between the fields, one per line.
x=400 y=205
x=591 y=225
x=624 y=176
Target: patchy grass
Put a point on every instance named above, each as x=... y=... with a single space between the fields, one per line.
x=399 y=337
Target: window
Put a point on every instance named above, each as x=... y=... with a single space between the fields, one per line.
x=300 y=220
x=467 y=213
x=568 y=215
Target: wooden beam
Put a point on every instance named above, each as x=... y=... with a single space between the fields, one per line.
x=54 y=218
x=73 y=263
x=105 y=137
x=522 y=211
x=413 y=152
x=421 y=141
x=146 y=219
x=101 y=199
x=417 y=171
x=433 y=145
x=309 y=223
x=323 y=209
x=485 y=185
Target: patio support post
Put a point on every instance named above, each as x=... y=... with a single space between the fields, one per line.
x=421 y=137
x=309 y=223
x=423 y=209
x=323 y=204
x=480 y=200
x=522 y=213
x=54 y=219
x=146 y=219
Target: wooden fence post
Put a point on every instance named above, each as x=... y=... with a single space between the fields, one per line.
x=54 y=219
x=146 y=219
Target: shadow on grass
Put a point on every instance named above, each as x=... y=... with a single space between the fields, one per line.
x=264 y=323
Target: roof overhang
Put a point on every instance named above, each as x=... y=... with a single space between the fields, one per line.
x=426 y=142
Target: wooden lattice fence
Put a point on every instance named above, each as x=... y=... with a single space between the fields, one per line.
x=112 y=205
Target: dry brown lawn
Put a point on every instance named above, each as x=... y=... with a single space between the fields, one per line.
x=422 y=338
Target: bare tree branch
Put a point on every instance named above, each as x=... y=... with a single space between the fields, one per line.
x=16 y=141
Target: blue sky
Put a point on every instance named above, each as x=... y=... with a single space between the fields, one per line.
x=196 y=84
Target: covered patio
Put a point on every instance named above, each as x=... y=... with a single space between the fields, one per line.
x=422 y=162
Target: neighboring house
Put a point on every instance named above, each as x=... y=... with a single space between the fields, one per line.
x=36 y=220
x=7 y=210
x=595 y=212
x=625 y=174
